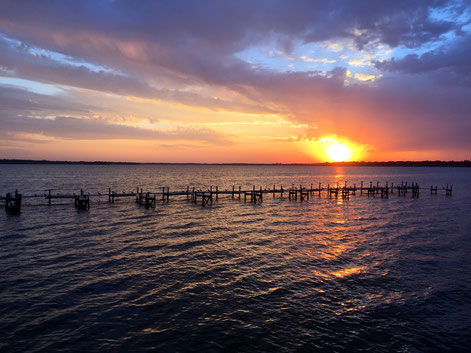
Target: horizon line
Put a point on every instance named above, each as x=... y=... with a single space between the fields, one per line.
x=463 y=163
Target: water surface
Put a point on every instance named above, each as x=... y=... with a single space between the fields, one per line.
x=365 y=274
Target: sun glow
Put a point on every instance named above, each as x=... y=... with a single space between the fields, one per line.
x=335 y=150
x=339 y=153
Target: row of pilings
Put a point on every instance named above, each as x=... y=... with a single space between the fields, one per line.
x=13 y=201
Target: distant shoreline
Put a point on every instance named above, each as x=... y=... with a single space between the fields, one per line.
x=465 y=164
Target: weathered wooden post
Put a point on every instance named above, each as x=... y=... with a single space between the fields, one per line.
x=49 y=197
x=233 y=187
x=217 y=193
x=361 y=188
x=13 y=203
x=449 y=190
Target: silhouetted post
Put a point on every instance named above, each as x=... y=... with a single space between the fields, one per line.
x=239 y=191
x=274 y=189
x=361 y=188
x=281 y=191
x=233 y=187
x=13 y=203
x=217 y=193
x=448 y=190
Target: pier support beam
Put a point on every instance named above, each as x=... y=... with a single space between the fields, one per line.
x=13 y=203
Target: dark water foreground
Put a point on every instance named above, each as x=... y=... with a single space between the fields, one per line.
x=361 y=275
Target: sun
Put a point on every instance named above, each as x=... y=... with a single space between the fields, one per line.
x=339 y=152
x=335 y=149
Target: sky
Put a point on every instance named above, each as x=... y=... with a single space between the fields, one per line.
x=214 y=81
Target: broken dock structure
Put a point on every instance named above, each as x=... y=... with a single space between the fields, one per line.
x=206 y=197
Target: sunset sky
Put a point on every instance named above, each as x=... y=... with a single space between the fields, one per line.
x=235 y=81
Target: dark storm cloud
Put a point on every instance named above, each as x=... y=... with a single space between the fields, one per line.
x=227 y=23
x=195 y=41
x=450 y=63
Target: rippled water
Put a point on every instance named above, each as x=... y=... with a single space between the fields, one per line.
x=365 y=274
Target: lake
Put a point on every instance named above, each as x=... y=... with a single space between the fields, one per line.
x=365 y=274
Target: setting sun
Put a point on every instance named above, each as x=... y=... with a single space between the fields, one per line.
x=336 y=149
x=339 y=152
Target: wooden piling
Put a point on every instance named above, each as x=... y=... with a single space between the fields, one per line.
x=448 y=190
x=13 y=203
x=82 y=202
